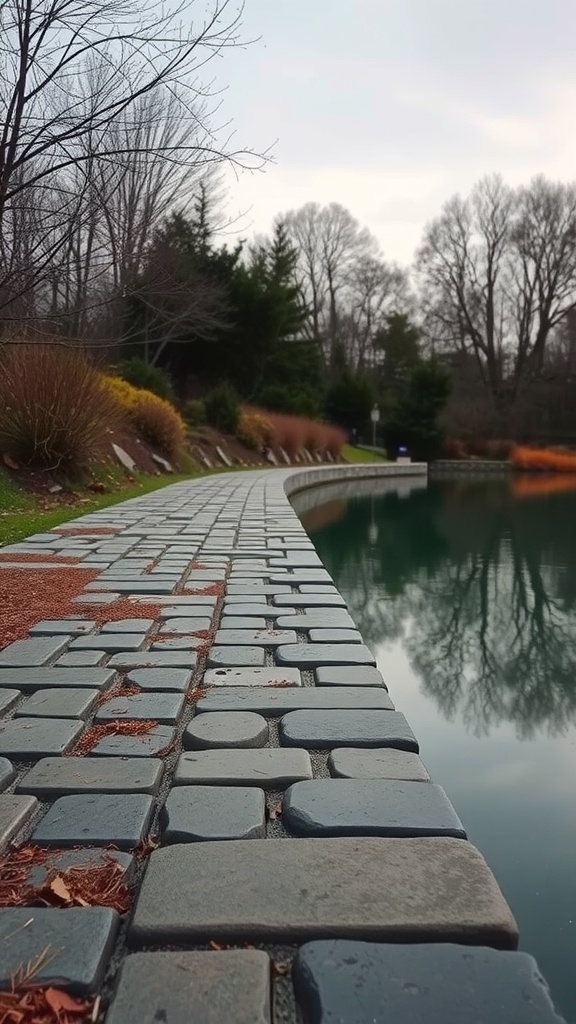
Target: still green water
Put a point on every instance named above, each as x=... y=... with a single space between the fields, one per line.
x=466 y=592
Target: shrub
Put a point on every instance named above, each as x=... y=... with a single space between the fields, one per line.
x=54 y=408
x=155 y=419
x=141 y=374
x=124 y=394
x=542 y=460
x=452 y=448
x=159 y=423
x=255 y=430
x=195 y=412
x=290 y=432
x=223 y=408
x=335 y=439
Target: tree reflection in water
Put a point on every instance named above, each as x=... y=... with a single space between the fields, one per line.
x=478 y=580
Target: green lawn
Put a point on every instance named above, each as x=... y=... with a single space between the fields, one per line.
x=20 y=514
x=351 y=454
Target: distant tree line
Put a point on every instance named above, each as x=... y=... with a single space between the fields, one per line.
x=111 y=235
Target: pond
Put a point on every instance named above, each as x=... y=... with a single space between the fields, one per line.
x=466 y=592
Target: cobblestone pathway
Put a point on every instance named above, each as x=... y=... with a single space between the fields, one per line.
x=234 y=756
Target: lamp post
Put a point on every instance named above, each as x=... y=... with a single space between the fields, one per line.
x=375 y=417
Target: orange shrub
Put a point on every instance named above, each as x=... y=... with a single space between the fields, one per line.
x=335 y=439
x=290 y=432
x=543 y=460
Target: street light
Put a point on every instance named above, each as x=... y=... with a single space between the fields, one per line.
x=375 y=417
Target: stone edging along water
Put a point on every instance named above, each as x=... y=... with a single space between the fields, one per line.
x=293 y=859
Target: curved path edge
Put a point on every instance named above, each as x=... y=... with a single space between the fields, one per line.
x=206 y=727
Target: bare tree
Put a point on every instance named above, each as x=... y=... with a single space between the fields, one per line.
x=79 y=82
x=374 y=289
x=499 y=274
x=328 y=239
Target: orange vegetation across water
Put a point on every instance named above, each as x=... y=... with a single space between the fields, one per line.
x=543 y=460
x=541 y=485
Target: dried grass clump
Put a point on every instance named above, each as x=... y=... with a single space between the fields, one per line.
x=54 y=408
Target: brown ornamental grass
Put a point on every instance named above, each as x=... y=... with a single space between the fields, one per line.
x=55 y=410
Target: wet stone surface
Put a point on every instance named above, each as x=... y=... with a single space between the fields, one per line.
x=369 y=807
x=353 y=982
x=206 y=987
x=322 y=730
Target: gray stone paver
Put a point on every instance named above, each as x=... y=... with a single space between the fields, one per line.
x=100 y=819
x=163 y=707
x=80 y=941
x=15 y=812
x=382 y=763
x=267 y=767
x=160 y=679
x=7 y=773
x=67 y=775
x=209 y=813
x=33 y=652
x=226 y=729
x=25 y=739
x=278 y=601
x=8 y=698
x=384 y=889
x=151 y=744
x=39 y=678
x=230 y=656
x=278 y=701
x=271 y=676
x=326 y=729
x=369 y=807
x=205 y=987
x=75 y=702
x=424 y=984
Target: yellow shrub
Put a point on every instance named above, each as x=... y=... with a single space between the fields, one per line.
x=125 y=394
x=158 y=422
x=155 y=419
x=254 y=430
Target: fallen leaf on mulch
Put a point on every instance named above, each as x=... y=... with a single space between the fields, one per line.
x=44 y=1006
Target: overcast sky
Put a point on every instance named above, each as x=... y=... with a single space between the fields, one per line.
x=390 y=106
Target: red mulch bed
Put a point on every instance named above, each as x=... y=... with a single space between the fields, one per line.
x=29 y=595
x=86 y=531
x=18 y=557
